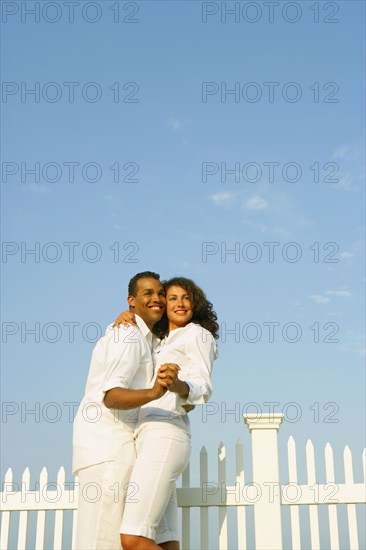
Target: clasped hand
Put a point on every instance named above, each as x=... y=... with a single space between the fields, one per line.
x=166 y=377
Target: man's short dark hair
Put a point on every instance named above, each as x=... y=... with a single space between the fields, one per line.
x=132 y=285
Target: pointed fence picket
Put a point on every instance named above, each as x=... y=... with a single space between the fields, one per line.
x=332 y=508
x=204 y=509
x=59 y=497
x=5 y=516
x=223 y=540
x=186 y=516
x=294 y=510
x=240 y=510
x=23 y=516
x=59 y=515
x=313 y=510
x=351 y=508
x=41 y=516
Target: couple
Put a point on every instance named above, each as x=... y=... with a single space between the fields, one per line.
x=131 y=431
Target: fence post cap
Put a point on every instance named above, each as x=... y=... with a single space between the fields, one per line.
x=264 y=421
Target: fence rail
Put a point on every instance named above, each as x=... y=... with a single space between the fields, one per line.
x=264 y=494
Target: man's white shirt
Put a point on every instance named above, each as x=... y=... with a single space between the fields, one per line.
x=121 y=359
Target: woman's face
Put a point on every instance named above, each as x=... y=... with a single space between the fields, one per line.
x=179 y=307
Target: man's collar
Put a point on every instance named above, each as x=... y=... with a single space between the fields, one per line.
x=142 y=325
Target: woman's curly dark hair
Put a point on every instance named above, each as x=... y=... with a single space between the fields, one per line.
x=203 y=313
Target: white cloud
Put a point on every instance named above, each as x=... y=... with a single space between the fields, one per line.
x=40 y=189
x=354 y=250
x=281 y=231
x=174 y=123
x=348 y=153
x=353 y=343
x=342 y=152
x=319 y=298
x=350 y=172
x=303 y=374
x=256 y=203
x=341 y=293
x=346 y=255
x=263 y=228
x=345 y=181
x=223 y=198
x=324 y=298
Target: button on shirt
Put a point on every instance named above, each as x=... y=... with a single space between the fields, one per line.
x=193 y=348
x=121 y=359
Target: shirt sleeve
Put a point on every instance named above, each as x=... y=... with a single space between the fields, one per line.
x=122 y=356
x=201 y=351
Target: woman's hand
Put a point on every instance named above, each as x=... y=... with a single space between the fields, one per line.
x=168 y=374
x=125 y=318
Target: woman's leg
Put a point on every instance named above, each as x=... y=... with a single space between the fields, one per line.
x=171 y=545
x=162 y=455
x=130 y=542
x=167 y=532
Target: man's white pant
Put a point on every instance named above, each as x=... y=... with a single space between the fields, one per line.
x=163 y=452
x=102 y=494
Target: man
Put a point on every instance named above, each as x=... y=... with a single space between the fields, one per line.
x=120 y=379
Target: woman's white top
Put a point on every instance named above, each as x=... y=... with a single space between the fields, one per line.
x=193 y=348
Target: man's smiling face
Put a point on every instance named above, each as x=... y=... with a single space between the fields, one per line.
x=149 y=302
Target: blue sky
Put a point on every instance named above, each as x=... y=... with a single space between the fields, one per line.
x=175 y=141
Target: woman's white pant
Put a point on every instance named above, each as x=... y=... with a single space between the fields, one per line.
x=163 y=453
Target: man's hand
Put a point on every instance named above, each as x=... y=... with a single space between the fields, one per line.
x=125 y=318
x=125 y=399
x=157 y=390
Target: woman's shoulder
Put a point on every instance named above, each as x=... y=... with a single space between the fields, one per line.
x=189 y=333
x=201 y=337
x=196 y=330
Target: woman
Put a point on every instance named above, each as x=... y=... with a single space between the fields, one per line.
x=163 y=447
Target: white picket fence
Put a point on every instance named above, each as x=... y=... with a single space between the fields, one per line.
x=264 y=494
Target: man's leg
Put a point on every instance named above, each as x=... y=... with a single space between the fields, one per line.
x=102 y=494
x=100 y=507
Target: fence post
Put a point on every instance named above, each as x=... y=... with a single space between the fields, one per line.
x=267 y=509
